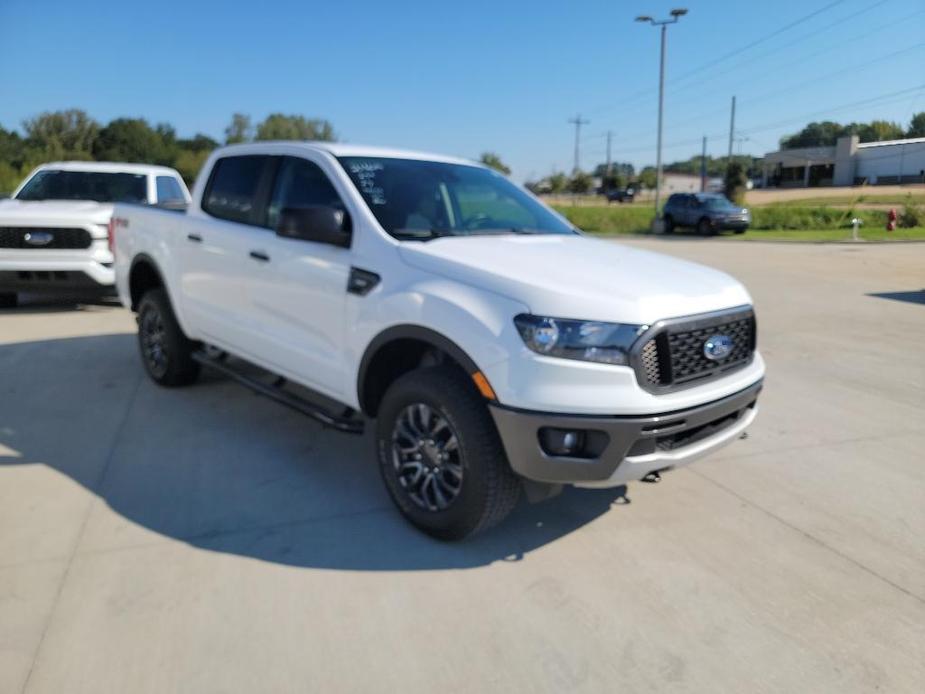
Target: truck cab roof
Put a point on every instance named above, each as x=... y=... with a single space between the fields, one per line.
x=340 y=149
x=107 y=167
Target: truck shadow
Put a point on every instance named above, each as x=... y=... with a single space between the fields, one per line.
x=224 y=470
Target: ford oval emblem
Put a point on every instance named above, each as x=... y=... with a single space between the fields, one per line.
x=38 y=238
x=718 y=347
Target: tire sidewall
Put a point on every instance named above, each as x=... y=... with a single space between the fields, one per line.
x=179 y=369
x=464 y=513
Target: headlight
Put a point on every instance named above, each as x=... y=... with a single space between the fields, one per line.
x=607 y=343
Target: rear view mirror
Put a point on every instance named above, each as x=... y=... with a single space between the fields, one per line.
x=318 y=223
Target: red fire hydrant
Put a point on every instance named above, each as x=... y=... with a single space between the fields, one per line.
x=891 y=220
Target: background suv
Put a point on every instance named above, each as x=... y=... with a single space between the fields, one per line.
x=708 y=213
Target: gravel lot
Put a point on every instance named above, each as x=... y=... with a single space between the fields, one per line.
x=207 y=540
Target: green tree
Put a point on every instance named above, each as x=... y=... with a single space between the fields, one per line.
x=278 y=126
x=735 y=182
x=133 y=140
x=12 y=160
x=198 y=143
x=880 y=130
x=558 y=182
x=917 y=125
x=189 y=163
x=492 y=160
x=192 y=154
x=66 y=134
x=824 y=133
x=647 y=177
x=581 y=182
x=239 y=130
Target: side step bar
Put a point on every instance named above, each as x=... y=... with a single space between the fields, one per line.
x=344 y=423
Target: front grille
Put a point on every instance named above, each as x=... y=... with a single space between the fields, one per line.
x=61 y=237
x=674 y=355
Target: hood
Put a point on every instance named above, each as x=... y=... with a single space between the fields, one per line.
x=579 y=277
x=62 y=211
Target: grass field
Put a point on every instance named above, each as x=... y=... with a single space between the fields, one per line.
x=897 y=199
x=772 y=223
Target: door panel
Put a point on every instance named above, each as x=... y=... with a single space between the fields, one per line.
x=297 y=297
x=214 y=253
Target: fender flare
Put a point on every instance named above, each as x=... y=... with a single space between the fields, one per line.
x=148 y=260
x=413 y=332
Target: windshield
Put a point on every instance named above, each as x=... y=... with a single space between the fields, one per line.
x=55 y=184
x=718 y=203
x=426 y=199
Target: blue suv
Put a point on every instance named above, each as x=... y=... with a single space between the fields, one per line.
x=708 y=213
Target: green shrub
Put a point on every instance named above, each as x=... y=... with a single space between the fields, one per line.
x=774 y=217
x=912 y=216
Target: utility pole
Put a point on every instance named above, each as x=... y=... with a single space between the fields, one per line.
x=703 y=166
x=675 y=15
x=577 y=121
x=732 y=127
x=609 y=135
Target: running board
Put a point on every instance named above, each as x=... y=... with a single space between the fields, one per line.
x=344 y=423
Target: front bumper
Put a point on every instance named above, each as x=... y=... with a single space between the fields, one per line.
x=624 y=447
x=52 y=270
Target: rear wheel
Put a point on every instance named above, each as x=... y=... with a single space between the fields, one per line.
x=705 y=227
x=165 y=351
x=8 y=299
x=440 y=455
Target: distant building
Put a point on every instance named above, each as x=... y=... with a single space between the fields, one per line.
x=688 y=183
x=847 y=163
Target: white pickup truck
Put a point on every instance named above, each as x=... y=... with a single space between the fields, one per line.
x=54 y=228
x=498 y=349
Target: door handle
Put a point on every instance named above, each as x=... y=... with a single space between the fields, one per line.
x=195 y=238
x=260 y=255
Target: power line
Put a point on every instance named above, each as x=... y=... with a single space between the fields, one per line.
x=645 y=92
x=758 y=42
x=761 y=96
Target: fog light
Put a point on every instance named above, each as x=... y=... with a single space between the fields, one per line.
x=561 y=441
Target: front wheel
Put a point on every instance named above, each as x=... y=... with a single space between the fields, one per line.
x=8 y=299
x=705 y=227
x=165 y=351
x=440 y=455
x=669 y=224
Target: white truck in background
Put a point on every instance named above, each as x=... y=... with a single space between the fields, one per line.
x=497 y=348
x=54 y=228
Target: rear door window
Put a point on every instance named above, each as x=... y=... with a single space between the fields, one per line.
x=234 y=187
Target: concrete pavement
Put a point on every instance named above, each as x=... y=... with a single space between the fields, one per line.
x=207 y=540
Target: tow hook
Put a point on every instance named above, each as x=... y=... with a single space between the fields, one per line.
x=653 y=477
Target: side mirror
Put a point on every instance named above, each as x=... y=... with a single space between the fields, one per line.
x=318 y=223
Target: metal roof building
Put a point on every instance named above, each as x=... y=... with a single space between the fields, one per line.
x=847 y=163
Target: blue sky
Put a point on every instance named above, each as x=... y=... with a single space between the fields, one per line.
x=464 y=77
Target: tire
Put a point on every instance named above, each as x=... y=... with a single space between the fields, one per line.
x=705 y=227
x=741 y=231
x=165 y=351
x=421 y=414
x=8 y=299
x=669 y=224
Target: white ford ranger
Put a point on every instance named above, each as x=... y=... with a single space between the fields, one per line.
x=53 y=231
x=497 y=348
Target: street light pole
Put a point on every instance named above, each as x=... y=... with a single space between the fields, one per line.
x=663 y=23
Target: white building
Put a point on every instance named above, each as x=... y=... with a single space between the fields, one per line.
x=847 y=163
